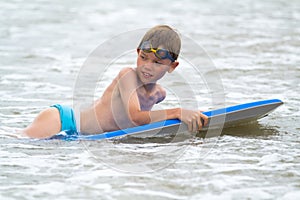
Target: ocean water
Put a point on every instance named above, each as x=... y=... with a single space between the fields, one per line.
x=244 y=51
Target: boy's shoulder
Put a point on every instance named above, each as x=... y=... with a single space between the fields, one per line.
x=161 y=92
x=126 y=70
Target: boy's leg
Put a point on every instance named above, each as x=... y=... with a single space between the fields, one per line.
x=45 y=125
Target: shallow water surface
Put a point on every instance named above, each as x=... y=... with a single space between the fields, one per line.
x=254 y=47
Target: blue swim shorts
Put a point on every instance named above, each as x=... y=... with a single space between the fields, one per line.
x=67 y=118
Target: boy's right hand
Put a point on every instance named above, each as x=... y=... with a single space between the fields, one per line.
x=193 y=119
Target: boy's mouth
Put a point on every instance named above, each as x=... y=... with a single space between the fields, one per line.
x=146 y=75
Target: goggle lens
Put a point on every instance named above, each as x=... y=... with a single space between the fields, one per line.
x=159 y=53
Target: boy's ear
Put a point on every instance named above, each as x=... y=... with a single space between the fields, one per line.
x=173 y=66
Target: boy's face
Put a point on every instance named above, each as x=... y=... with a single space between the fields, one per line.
x=150 y=68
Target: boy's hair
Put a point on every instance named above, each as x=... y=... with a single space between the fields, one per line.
x=165 y=36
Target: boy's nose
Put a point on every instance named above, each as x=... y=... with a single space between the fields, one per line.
x=148 y=65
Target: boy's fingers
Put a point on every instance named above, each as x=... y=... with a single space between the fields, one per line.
x=194 y=125
x=190 y=124
x=204 y=118
x=199 y=122
x=196 y=128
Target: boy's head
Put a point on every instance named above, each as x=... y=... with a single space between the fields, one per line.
x=163 y=36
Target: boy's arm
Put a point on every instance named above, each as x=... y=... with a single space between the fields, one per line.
x=128 y=84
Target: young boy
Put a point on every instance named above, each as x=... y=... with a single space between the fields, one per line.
x=128 y=100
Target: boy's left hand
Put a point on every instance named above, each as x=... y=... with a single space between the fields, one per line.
x=194 y=119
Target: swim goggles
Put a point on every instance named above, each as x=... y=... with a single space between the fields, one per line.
x=159 y=53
